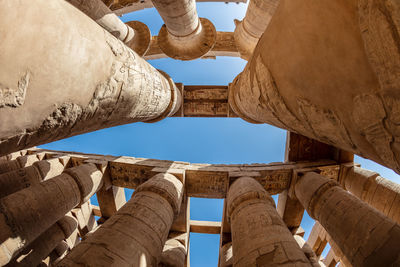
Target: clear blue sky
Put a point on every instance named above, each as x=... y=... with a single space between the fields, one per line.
x=197 y=140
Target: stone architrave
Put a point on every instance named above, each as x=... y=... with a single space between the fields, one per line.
x=259 y=235
x=136 y=234
x=84 y=78
x=328 y=70
x=366 y=237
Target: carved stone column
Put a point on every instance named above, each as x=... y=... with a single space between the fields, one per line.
x=328 y=70
x=226 y=255
x=249 y=30
x=362 y=233
x=259 y=236
x=135 y=34
x=83 y=77
x=136 y=234
x=380 y=193
x=173 y=254
x=307 y=250
x=39 y=249
x=13 y=181
x=20 y=162
x=27 y=213
x=184 y=35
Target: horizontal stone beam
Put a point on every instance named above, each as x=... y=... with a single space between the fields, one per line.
x=132 y=5
x=204 y=101
x=201 y=180
x=205 y=227
x=224 y=46
x=96 y=210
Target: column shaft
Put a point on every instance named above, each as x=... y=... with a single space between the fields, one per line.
x=184 y=36
x=327 y=70
x=249 y=30
x=259 y=236
x=120 y=87
x=173 y=254
x=13 y=181
x=366 y=236
x=42 y=246
x=380 y=193
x=136 y=234
x=107 y=19
x=27 y=213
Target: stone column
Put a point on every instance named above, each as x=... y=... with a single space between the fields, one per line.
x=369 y=186
x=307 y=250
x=58 y=253
x=259 y=236
x=136 y=234
x=365 y=236
x=249 y=30
x=132 y=34
x=20 y=162
x=13 y=181
x=173 y=254
x=328 y=70
x=184 y=35
x=27 y=213
x=83 y=77
x=39 y=249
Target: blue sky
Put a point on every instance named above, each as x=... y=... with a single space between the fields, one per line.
x=197 y=140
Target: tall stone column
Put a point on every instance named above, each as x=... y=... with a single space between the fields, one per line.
x=39 y=249
x=20 y=162
x=173 y=254
x=83 y=77
x=307 y=250
x=365 y=236
x=380 y=193
x=259 y=235
x=249 y=30
x=27 y=213
x=184 y=35
x=328 y=70
x=13 y=181
x=135 y=35
x=136 y=234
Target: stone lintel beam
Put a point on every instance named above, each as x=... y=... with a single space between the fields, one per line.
x=224 y=46
x=130 y=172
x=205 y=227
x=205 y=101
x=184 y=35
x=288 y=81
x=120 y=87
x=135 y=34
x=122 y=7
x=369 y=186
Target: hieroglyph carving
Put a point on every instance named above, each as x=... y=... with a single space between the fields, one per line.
x=379 y=25
x=14 y=97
